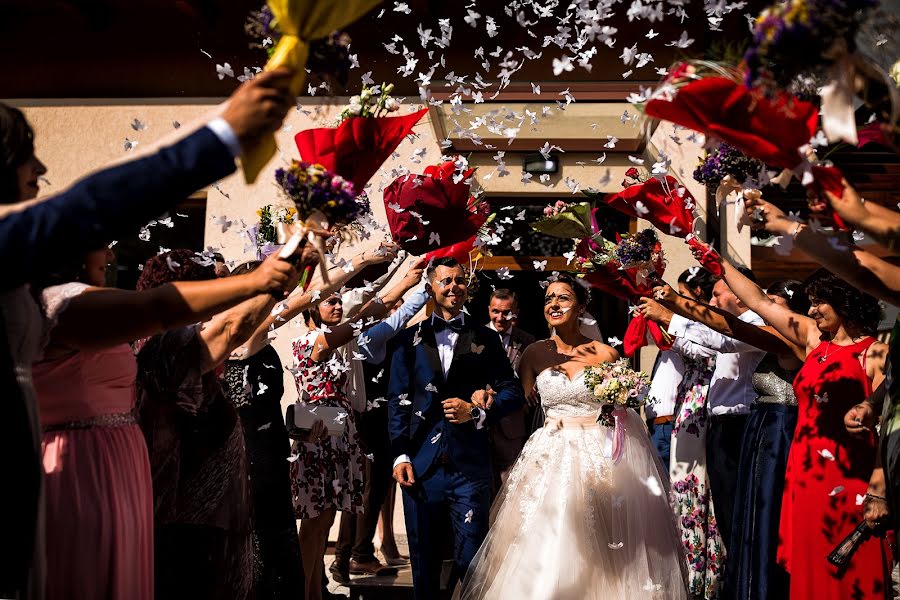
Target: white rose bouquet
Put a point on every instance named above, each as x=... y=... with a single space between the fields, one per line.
x=616 y=385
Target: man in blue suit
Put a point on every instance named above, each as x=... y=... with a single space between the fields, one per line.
x=441 y=439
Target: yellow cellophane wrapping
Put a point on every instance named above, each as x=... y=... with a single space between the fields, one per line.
x=300 y=21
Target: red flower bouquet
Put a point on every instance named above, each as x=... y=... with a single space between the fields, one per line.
x=771 y=130
x=664 y=202
x=357 y=147
x=434 y=210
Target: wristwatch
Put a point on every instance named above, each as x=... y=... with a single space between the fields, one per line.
x=475 y=412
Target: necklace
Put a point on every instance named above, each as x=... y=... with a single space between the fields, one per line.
x=825 y=356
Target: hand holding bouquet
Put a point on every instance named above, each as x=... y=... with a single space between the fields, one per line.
x=616 y=385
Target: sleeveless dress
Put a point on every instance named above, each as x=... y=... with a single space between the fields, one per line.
x=752 y=569
x=571 y=522
x=828 y=473
x=99 y=498
x=329 y=473
x=255 y=387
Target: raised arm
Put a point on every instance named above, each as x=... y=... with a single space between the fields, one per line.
x=373 y=343
x=797 y=329
x=100 y=207
x=762 y=337
x=855 y=265
x=355 y=298
x=879 y=222
x=102 y=317
x=228 y=330
x=285 y=311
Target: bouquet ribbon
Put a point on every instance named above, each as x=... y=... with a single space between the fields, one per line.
x=636 y=335
x=618 y=434
x=300 y=21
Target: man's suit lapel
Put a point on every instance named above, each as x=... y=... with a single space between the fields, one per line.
x=429 y=344
x=464 y=345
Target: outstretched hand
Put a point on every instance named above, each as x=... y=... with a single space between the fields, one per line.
x=654 y=311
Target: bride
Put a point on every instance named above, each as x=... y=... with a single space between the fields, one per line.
x=572 y=523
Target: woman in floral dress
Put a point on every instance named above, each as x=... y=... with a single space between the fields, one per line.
x=689 y=492
x=327 y=471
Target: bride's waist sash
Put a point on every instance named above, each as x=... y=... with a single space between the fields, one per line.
x=582 y=422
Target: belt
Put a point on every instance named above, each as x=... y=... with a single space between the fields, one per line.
x=661 y=420
x=114 y=420
x=585 y=422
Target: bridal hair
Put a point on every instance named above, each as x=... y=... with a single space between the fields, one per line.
x=581 y=291
x=855 y=307
x=16 y=148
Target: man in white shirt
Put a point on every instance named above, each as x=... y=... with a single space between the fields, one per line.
x=730 y=396
x=509 y=436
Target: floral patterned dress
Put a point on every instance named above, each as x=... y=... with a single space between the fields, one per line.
x=689 y=493
x=326 y=474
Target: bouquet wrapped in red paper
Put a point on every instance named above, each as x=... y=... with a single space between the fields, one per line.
x=358 y=147
x=614 y=268
x=769 y=129
x=663 y=201
x=437 y=209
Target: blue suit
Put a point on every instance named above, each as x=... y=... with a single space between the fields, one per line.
x=91 y=213
x=451 y=462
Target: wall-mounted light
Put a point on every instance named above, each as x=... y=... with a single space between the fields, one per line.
x=536 y=163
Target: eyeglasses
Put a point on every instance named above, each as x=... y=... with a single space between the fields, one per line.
x=447 y=281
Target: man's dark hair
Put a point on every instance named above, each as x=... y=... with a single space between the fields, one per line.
x=444 y=261
x=504 y=294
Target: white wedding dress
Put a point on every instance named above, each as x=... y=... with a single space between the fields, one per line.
x=573 y=523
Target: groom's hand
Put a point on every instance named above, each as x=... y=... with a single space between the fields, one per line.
x=457 y=410
x=404 y=475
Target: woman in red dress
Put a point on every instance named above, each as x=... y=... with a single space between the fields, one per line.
x=830 y=473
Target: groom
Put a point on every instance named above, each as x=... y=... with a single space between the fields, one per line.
x=439 y=437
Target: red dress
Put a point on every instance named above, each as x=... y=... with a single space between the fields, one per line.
x=828 y=473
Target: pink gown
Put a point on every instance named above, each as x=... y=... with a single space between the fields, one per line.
x=99 y=499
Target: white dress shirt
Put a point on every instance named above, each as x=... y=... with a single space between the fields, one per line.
x=664 y=385
x=731 y=388
x=504 y=337
x=446 y=340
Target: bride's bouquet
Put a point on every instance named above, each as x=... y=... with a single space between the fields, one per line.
x=616 y=385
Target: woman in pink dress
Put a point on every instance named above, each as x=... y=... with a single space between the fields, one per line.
x=99 y=497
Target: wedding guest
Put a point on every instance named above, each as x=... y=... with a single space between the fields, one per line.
x=730 y=396
x=690 y=497
x=510 y=433
x=255 y=387
x=355 y=551
x=98 y=487
x=32 y=235
x=195 y=440
x=327 y=474
x=751 y=569
x=668 y=373
x=827 y=467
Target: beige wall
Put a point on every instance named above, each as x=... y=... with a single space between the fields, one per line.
x=75 y=137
